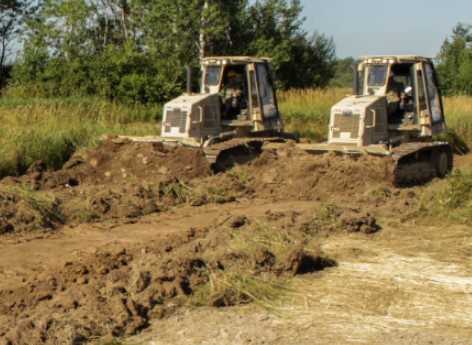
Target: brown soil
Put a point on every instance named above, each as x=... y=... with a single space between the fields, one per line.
x=133 y=231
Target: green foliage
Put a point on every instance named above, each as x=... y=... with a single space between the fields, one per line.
x=300 y=61
x=454 y=202
x=455 y=62
x=343 y=76
x=134 y=52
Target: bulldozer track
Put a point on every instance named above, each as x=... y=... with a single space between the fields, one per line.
x=226 y=154
x=419 y=162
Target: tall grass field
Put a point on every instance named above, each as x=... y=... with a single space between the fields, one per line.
x=52 y=129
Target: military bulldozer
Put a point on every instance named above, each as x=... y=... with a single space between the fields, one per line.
x=396 y=111
x=229 y=130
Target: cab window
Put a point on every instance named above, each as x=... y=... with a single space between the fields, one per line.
x=212 y=75
x=377 y=75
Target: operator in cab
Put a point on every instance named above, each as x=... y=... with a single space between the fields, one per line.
x=396 y=97
x=232 y=94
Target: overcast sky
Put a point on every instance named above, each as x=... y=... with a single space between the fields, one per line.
x=362 y=27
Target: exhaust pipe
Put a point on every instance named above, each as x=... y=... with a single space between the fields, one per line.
x=189 y=79
x=355 y=84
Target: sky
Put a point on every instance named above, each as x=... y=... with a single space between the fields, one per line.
x=381 y=27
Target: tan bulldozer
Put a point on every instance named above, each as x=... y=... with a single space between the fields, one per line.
x=229 y=128
x=396 y=111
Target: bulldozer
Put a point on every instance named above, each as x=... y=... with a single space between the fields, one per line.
x=229 y=128
x=395 y=111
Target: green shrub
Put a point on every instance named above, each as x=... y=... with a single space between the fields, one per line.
x=454 y=202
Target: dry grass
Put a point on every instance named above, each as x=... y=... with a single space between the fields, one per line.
x=457 y=110
x=308 y=110
x=234 y=287
x=51 y=130
x=405 y=281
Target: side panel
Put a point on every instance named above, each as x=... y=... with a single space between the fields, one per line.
x=359 y=121
x=192 y=116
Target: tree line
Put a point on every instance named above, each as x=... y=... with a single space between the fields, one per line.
x=135 y=50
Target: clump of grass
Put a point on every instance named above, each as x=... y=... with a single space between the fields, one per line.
x=197 y=195
x=179 y=191
x=325 y=221
x=454 y=202
x=240 y=281
x=264 y=236
x=84 y=211
x=240 y=173
x=382 y=192
x=43 y=206
x=237 y=287
x=206 y=194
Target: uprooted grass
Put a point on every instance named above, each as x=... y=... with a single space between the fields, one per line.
x=43 y=206
x=262 y=254
x=265 y=237
x=239 y=282
x=238 y=287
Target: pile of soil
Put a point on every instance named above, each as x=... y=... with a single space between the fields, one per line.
x=118 y=289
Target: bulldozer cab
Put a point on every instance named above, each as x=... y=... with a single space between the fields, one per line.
x=251 y=79
x=411 y=88
x=237 y=99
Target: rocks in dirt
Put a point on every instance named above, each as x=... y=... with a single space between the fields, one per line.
x=365 y=223
x=5 y=227
x=238 y=222
x=302 y=261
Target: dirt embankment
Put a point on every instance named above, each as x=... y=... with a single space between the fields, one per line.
x=95 y=275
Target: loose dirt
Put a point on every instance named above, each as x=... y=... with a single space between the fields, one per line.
x=122 y=239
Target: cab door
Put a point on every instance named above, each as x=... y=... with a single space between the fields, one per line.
x=254 y=110
x=434 y=100
x=267 y=96
x=428 y=99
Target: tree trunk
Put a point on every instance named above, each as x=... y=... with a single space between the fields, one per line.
x=202 y=47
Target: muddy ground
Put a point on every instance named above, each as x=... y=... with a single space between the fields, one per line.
x=143 y=243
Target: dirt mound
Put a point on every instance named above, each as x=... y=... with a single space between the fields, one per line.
x=295 y=174
x=125 y=180
x=120 y=161
x=120 y=179
x=119 y=291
